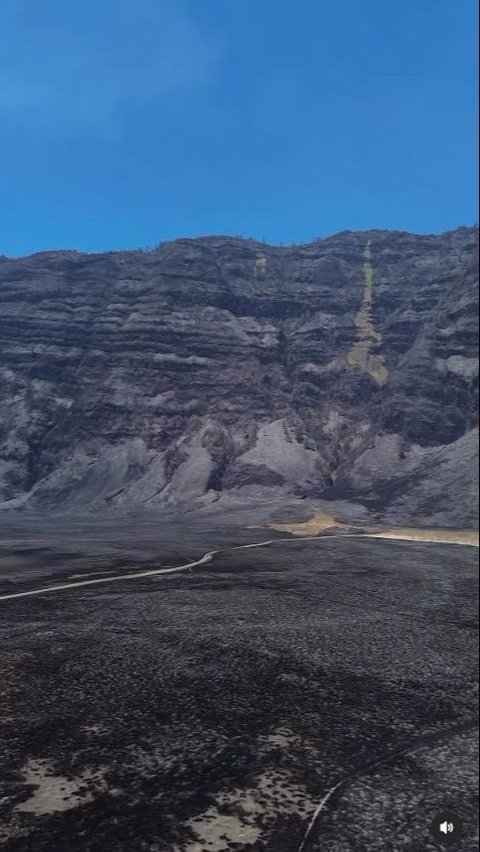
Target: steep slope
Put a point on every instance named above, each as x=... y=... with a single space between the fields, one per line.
x=342 y=368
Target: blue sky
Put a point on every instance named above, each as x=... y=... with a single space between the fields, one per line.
x=127 y=123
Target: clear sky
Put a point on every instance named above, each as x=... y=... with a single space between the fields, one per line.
x=127 y=123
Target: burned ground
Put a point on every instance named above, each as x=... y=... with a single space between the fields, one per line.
x=214 y=709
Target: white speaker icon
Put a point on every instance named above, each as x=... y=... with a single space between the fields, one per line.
x=446 y=827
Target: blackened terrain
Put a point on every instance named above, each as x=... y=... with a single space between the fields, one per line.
x=214 y=710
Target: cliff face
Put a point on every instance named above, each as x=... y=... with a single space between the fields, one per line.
x=346 y=368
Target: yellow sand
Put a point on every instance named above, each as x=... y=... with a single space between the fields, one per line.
x=445 y=536
x=322 y=521
x=318 y=523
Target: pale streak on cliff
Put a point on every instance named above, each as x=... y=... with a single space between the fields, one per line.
x=368 y=338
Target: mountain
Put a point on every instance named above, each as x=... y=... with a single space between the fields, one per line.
x=345 y=369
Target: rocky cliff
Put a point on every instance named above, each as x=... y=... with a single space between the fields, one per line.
x=342 y=369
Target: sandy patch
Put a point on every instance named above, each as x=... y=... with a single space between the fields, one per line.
x=281 y=738
x=320 y=522
x=242 y=816
x=16 y=562
x=446 y=536
x=55 y=792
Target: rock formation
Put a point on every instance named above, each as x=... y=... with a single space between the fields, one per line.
x=342 y=369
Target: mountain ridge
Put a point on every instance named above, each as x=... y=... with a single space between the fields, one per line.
x=218 y=366
x=233 y=237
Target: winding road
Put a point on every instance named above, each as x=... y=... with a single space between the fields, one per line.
x=208 y=556
x=152 y=572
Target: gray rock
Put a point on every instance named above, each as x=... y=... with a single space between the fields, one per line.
x=345 y=369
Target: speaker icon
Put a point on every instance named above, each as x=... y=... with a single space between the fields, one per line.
x=446 y=827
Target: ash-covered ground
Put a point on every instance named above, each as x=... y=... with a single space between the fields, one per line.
x=215 y=709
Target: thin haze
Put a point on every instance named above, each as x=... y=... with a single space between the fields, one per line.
x=124 y=124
